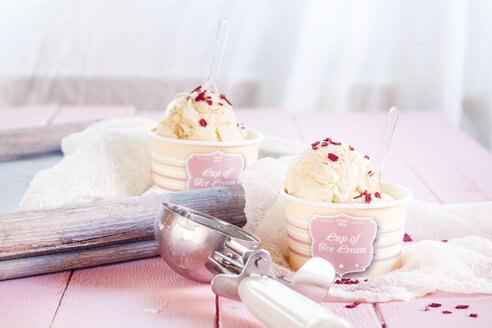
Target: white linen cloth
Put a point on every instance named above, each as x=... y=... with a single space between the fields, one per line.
x=111 y=159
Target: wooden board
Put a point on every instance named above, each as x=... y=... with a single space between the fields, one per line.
x=89 y=234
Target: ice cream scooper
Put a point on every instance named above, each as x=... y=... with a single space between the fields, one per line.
x=203 y=248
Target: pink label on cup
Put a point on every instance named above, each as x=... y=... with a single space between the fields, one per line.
x=213 y=169
x=344 y=241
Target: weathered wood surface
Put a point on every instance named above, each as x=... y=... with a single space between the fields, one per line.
x=116 y=295
x=88 y=234
x=18 y=143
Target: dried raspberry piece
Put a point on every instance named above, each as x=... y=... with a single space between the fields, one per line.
x=473 y=315
x=461 y=307
x=353 y=305
x=365 y=156
x=222 y=96
x=434 y=305
x=327 y=139
x=351 y=148
x=406 y=239
x=370 y=173
x=314 y=144
x=377 y=195
x=197 y=88
x=188 y=98
x=201 y=96
x=335 y=143
x=368 y=198
x=346 y=281
x=221 y=104
x=203 y=122
x=315 y=148
x=444 y=240
x=332 y=157
x=366 y=279
x=324 y=144
x=447 y=312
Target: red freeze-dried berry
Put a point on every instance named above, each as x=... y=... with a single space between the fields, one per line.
x=461 y=307
x=377 y=195
x=327 y=139
x=188 y=97
x=407 y=238
x=473 y=315
x=221 y=104
x=447 y=312
x=222 y=96
x=203 y=122
x=197 y=88
x=332 y=157
x=314 y=144
x=209 y=102
x=324 y=144
x=346 y=281
x=201 y=96
x=435 y=305
x=335 y=143
x=444 y=240
x=353 y=305
x=315 y=148
x=370 y=173
x=366 y=279
x=351 y=148
x=365 y=156
x=368 y=198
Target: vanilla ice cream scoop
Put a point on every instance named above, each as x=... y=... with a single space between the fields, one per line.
x=330 y=171
x=202 y=115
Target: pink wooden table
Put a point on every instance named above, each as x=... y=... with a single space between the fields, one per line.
x=435 y=160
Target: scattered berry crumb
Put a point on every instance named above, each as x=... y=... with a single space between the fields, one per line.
x=203 y=122
x=366 y=279
x=370 y=173
x=473 y=315
x=332 y=157
x=353 y=305
x=435 y=305
x=447 y=312
x=222 y=96
x=351 y=148
x=365 y=156
x=314 y=144
x=377 y=195
x=444 y=240
x=197 y=88
x=406 y=239
x=346 y=281
x=324 y=144
x=461 y=307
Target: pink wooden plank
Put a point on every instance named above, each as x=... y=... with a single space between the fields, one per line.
x=412 y=313
x=31 y=302
x=155 y=115
x=144 y=293
x=450 y=162
x=26 y=116
x=235 y=314
x=272 y=122
x=80 y=113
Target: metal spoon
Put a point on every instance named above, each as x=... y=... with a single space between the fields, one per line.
x=222 y=32
x=389 y=130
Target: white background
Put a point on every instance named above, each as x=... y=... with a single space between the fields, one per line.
x=299 y=55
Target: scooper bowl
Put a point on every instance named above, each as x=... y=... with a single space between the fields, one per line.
x=194 y=244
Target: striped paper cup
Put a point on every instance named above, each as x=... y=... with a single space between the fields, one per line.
x=360 y=240
x=179 y=164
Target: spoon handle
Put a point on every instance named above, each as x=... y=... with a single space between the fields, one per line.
x=222 y=32
x=389 y=130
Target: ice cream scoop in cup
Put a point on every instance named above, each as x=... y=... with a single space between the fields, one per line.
x=334 y=210
x=200 y=143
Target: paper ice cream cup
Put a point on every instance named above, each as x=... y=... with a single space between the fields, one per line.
x=359 y=240
x=179 y=164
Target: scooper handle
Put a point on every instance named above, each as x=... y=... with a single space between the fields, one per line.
x=276 y=305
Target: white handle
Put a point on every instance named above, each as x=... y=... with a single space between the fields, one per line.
x=279 y=306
